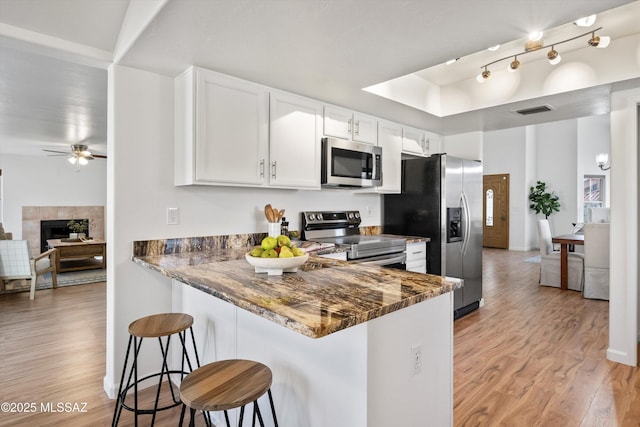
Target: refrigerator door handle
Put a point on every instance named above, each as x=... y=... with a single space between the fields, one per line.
x=467 y=224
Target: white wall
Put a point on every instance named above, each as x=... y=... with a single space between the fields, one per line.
x=556 y=146
x=504 y=153
x=594 y=135
x=466 y=145
x=48 y=181
x=141 y=189
x=624 y=321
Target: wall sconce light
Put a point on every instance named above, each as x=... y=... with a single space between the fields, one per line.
x=601 y=161
x=553 y=56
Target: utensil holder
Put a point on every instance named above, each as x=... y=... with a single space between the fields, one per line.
x=274 y=229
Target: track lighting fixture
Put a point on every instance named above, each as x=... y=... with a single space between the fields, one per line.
x=553 y=56
x=483 y=75
x=514 y=65
x=597 y=41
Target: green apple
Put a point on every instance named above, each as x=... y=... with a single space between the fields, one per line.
x=297 y=251
x=256 y=252
x=283 y=241
x=269 y=243
x=270 y=253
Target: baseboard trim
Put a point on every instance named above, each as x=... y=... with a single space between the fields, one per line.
x=109 y=388
x=620 y=357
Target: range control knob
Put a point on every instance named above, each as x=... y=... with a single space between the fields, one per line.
x=350 y=215
x=312 y=217
x=319 y=217
x=357 y=214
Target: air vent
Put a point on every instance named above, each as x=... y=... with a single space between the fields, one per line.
x=534 y=110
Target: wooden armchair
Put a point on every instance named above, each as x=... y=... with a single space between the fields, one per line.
x=16 y=262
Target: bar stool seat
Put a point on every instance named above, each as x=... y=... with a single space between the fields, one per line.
x=227 y=384
x=155 y=326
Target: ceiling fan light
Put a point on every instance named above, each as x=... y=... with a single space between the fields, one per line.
x=72 y=160
x=494 y=48
x=82 y=161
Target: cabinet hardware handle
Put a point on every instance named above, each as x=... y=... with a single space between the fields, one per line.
x=426 y=144
x=273 y=169
x=262 y=168
x=349 y=125
x=358 y=127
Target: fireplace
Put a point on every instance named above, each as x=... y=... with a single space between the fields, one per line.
x=55 y=229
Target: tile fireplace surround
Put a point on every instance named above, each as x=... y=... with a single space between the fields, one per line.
x=32 y=215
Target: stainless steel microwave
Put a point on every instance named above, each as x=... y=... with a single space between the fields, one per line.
x=350 y=164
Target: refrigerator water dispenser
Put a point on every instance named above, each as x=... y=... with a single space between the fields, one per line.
x=454 y=225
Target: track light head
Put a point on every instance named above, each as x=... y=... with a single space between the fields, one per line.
x=484 y=75
x=553 y=56
x=514 y=65
x=600 y=42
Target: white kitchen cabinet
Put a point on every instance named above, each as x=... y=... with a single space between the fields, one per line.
x=420 y=142
x=294 y=141
x=417 y=257
x=346 y=124
x=390 y=139
x=222 y=130
x=233 y=132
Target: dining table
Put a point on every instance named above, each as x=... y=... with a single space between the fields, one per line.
x=565 y=240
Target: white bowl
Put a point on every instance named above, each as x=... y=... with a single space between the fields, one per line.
x=276 y=266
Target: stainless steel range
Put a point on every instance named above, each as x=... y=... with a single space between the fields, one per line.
x=343 y=228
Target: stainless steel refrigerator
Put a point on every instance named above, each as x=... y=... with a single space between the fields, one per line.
x=442 y=199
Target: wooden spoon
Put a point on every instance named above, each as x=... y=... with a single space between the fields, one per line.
x=280 y=214
x=268 y=212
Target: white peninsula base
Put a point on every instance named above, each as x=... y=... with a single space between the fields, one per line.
x=362 y=376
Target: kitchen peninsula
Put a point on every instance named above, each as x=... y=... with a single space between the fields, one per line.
x=349 y=345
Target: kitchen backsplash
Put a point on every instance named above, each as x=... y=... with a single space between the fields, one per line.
x=193 y=244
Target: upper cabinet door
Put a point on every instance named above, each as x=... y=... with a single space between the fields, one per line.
x=365 y=128
x=412 y=140
x=338 y=122
x=345 y=124
x=294 y=149
x=390 y=139
x=231 y=138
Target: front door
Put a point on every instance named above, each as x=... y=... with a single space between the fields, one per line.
x=495 y=217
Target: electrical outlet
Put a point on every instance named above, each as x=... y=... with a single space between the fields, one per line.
x=173 y=216
x=416 y=359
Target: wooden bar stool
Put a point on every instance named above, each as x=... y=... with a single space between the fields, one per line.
x=155 y=326
x=224 y=385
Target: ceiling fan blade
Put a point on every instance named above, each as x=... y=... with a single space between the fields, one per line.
x=99 y=156
x=54 y=151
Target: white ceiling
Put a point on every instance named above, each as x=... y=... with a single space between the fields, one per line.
x=324 y=49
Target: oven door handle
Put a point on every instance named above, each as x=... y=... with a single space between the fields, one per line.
x=382 y=260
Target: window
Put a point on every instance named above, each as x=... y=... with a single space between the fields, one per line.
x=489 y=207
x=594 y=186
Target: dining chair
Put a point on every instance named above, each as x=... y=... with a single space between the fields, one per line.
x=596 y=261
x=16 y=263
x=550 y=261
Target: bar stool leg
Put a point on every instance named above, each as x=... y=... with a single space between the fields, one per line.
x=273 y=409
x=118 y=408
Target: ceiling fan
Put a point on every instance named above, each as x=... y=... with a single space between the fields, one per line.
x=79 y=154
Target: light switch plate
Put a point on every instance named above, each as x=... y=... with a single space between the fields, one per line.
x=173 y=216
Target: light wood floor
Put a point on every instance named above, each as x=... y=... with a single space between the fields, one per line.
x=533 y=356
x=536 y=356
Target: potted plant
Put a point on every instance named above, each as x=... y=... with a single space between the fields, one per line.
x=542 y=201
x=78 y=228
